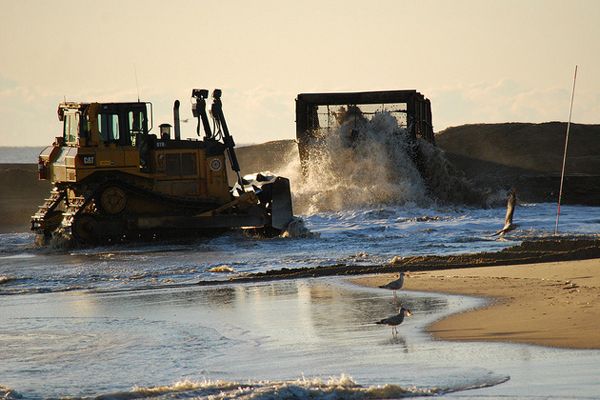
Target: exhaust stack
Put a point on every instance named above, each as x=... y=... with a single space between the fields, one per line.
x=176 y=120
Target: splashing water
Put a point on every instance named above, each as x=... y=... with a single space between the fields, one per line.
x=375 y=167
x=447 y=185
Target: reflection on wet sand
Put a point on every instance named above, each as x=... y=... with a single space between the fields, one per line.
x=311 y=308
x=327 y=310
x=397 y=340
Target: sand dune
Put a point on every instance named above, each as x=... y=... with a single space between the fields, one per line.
x=537 y=148
x=529 y=157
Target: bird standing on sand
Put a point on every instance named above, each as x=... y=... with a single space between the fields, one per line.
x=395 y=320
x=396 y=284
x=510 y=209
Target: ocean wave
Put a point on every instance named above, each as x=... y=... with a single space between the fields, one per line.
x=342 y=387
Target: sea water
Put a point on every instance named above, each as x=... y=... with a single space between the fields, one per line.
x=352 y=237
x=128 y=321
x=19 y=155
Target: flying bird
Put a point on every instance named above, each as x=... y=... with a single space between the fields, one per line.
x=395 y=320
x=510 y=209
x=395 y=284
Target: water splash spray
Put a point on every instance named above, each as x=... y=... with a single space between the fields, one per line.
x=375 y=167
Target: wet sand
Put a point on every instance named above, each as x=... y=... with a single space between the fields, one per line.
x=542 y=292
x=553 y=304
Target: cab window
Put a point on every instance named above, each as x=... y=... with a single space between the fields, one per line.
x=108 y=126
x=135 y=125
x=71 y=127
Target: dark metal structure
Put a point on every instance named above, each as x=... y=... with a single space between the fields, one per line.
x=411 y=109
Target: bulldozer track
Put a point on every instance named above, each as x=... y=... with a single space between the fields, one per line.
x=76 y=207
x=38 y=220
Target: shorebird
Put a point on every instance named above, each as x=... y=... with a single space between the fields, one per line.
x=396 y=284
x=510 y=209
x=395 y=320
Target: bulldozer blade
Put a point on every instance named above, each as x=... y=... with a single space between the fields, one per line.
x=281 y=203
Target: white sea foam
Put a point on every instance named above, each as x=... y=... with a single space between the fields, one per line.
x=342 y=387
x=223 y=268
x=297 y=229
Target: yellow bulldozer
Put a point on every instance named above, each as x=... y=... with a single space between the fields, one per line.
x=116 y=181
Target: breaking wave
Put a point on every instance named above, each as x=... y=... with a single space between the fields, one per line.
x=343 y=387
x=378 y=166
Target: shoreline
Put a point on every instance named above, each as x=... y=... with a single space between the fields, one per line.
x=554 y=304
x=528 y=252
x=543 y=292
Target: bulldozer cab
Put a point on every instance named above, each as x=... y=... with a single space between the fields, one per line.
x=103 y=124
x=115 y=132
x=122 y=124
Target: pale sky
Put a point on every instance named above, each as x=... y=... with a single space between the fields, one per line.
x=477 y=61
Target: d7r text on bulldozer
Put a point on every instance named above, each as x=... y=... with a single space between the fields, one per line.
x=115 y=181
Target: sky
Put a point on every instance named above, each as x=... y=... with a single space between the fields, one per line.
x=478 y=61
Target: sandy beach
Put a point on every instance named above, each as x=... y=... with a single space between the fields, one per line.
x=551 y=304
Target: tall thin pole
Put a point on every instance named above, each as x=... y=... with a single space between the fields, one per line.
x=562 y=174
x=136 y=82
